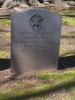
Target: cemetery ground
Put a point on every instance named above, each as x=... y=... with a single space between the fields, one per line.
x=45 y=85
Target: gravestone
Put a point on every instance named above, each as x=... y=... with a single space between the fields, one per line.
x=35 y=40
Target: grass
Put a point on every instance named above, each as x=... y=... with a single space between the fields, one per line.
x=5 y=21
x=4 y=54
x=70 y=11
x=68 y=20
x=59 y=81
x=5 y=35
x=66 y=52
x=57 y=75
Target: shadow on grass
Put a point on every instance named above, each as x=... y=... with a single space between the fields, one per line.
x=66 y=62
x=67 y=37
x=4 y=64
x=68 y=15
x=65 y=86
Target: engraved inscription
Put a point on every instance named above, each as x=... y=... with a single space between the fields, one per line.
x=31 y=40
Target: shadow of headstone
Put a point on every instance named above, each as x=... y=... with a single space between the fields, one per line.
x=5 y=64
x=66 y=62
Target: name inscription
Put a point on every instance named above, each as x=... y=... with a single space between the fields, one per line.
x=33 y=40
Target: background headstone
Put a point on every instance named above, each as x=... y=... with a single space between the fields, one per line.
x=35 y=40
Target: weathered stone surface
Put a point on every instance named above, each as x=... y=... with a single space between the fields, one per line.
x=35 y=40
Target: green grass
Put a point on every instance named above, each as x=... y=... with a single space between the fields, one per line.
x=57 y=76
x=66 y=52
x=5 y=21
x=59 y=81
x=4 y=54
x=68 y=20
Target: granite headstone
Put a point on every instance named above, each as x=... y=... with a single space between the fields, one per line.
x=35 y=40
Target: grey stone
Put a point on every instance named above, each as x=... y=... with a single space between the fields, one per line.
x=35 y=40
